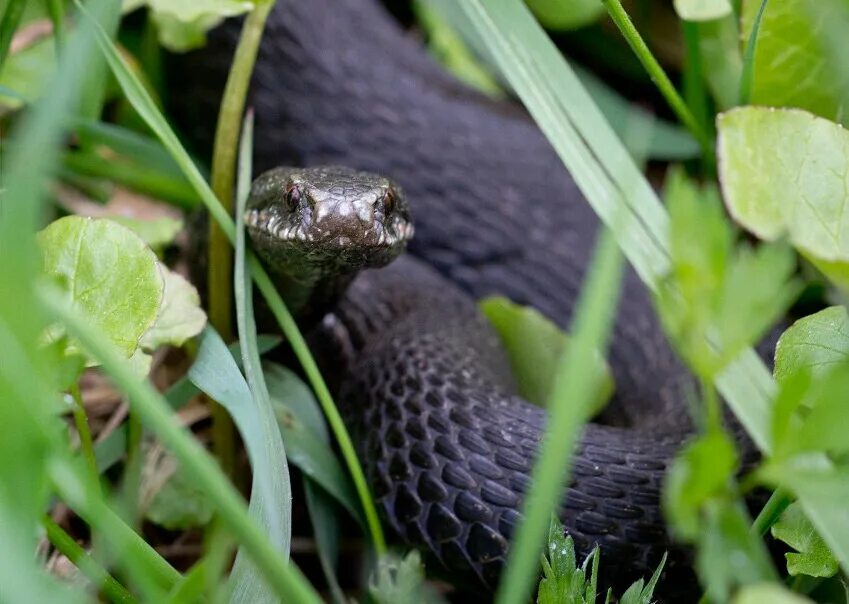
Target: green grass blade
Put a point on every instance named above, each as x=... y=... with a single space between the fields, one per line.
x=146 y=108
x=749 y=57
x=11 y=19
x=154 y=411
x=56 y=9
x=568 y=404
x=271 y=495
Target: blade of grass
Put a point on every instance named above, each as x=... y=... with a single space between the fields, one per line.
x=95 y=573
x=146 y=108
x=658 y=76
x=271 y=494
x=8 y=26
x=569 y=403
x=220 y=255
x=287 y=581
x=95 y=80
x=749 y=57
x=56 y=10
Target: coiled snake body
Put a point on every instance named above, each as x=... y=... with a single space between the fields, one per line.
x=447 y=445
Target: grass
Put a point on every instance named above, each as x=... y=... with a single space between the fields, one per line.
x=692 y=260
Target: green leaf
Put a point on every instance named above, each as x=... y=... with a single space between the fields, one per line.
x=183 y=24
x=783 y=173
x=639 y=593
x=326 y=525
x=790 y=69
x=169 y=498
x=822 y=490
x=702 y=471
x=180 y=316
x=814 y=558
x=533 y=344
x=728 y=553
x=565 y=15
x=108 y=273
x=719 y=51
x=816 y=343
x=400 y=581
x=305 y=435
x=564 y=582
x=157 y=233
x=702 y=10
x=768 y=592
x=718 y=298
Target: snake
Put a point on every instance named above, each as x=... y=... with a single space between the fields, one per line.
x=423 y=383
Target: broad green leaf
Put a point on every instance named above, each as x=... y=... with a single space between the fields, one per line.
x=783 y=173
x=533 y=344
x=566 y=14
x=790 y=69
x=401 y=581
x=107 y=273
x=183 y=23
x=325 y=517
x=157 y=233
x=169 y=498
x=816 y=343
x=761 y=593
x=702 y=10
x=180 y=316
x=813 y=557
x=700 y=472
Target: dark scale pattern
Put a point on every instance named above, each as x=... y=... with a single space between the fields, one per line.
x=457 y=489
x=337 y=82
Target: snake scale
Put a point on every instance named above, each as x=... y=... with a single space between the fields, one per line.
x=425 y=388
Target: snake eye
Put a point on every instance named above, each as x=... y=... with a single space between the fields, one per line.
x=292 y=198
x=388 y=202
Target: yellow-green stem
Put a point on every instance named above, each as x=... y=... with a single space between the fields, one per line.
x=86 y=442
x=667 y=89
x=105 y=583
x=220 y=286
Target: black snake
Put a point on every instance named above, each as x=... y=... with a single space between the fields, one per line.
x=447 y=445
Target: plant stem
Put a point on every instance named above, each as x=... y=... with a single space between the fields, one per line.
x=106 y=583
x=220 y=254
x=56 y=9
x=86 y=442
x=11 y=20
x=658 y=76
x=772 y=510
x=749 y=57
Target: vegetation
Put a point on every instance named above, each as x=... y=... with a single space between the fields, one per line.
x=756 y=124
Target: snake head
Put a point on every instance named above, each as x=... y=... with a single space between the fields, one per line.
x=326 y=221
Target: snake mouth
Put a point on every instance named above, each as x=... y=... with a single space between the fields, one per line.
x=330 y=233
